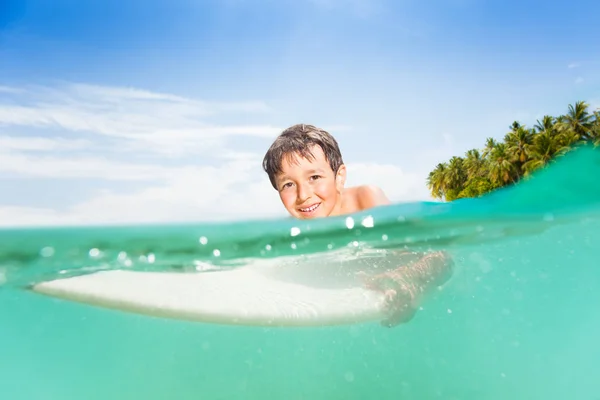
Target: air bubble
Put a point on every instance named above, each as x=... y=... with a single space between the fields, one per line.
x=368 y=222
x=384 y=237
x=295 y=231
x=349 y=223
x=293 y=246
x=94 y=252
x=203 y=240
x=151 y=258
x=47 y=252
x=216 y=252
x=349 y=376
x=122 y=256
x=268 y=247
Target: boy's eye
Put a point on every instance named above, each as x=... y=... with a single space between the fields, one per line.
x=286 y=185
x=315 y=177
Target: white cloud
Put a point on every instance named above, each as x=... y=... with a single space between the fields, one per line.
x=8 y=89
x=573 y=65
x=9 y=143
x=157 y=122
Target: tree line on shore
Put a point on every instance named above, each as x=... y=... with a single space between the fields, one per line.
x=522 y=151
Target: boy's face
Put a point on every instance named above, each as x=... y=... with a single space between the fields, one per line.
x=310 y=188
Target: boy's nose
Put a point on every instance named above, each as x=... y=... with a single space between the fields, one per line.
x=303 y=193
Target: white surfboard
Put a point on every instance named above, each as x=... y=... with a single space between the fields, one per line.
x=255 y=295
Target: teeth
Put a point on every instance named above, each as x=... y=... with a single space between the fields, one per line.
x=309 y=208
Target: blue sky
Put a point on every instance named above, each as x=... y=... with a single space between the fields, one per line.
x=162 y=111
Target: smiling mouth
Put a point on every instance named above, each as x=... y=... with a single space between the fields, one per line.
x=309 y=209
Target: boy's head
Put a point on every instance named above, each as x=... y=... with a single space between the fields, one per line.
x=305 y=166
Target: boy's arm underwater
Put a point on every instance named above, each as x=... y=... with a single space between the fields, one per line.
x=405 y=286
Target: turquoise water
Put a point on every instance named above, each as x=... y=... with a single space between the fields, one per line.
x=518 y=319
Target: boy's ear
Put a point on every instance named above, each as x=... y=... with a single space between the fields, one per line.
x=340 y=177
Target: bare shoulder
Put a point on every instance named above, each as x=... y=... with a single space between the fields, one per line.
x=369 y=196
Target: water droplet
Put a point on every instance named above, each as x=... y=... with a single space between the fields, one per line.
x=268 y=247
x=349 y=376
x=449 y=311
x=122 y=256
x=330 y=246
x=94 y=253
x=47 y=251
x=295 y=231
x=503 y=375
x=216 y=252
x=203 y=240
x=293 y=246
x=128 y=263
x=368 y=222
x=355 y=243
x=151 y=258
x=384 y=237
x=349 y=222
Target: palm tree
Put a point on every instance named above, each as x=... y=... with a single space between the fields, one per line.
x=490 y=143
x=456 y=174
x=502 y=170
x=437 y=181
x=595 y=129
x=547 y=124
x=578 y=120
x=517 y=144
x=544 y=148
x=474 y=164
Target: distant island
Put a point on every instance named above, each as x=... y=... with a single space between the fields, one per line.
x=523 y=151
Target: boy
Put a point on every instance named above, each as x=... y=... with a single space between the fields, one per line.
x=305 y=166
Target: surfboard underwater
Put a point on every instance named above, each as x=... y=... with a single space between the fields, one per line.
x=254 y=295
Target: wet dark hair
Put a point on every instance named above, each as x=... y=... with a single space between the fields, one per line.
x=298 y=140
